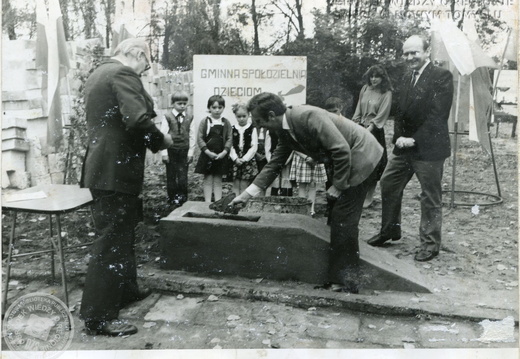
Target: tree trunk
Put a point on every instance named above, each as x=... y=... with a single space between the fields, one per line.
x=386 y=7
x=216 y=21
x=64 y=4
x=256 y=41
x=109 y=11
x=299 y=16
x=9 y=19
x=166 y=44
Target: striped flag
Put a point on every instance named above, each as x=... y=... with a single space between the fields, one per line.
x=52 y=58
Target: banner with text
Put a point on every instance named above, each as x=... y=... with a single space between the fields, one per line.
x=238 y=78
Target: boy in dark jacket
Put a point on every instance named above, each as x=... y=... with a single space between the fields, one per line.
x=177 y=158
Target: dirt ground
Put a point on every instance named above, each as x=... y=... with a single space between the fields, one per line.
x=480 y=241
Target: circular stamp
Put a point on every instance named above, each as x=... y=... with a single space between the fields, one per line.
x=38 y=322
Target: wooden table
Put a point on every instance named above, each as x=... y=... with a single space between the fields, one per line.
x=51 y=199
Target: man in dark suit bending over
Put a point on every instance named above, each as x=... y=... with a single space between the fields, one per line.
x=422 y=144
x=353 y=152
x=120 y=129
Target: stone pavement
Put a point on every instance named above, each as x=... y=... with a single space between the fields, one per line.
x=189 y=311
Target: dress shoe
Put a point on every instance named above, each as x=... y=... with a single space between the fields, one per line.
x=335 y=287
x=425 y=255
x=378 y=240
x=114 y=328
x=141 y=294
x=352 y=288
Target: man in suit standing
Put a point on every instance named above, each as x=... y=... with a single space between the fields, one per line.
x=354 y=153
x=119 y=122
x=422 y=144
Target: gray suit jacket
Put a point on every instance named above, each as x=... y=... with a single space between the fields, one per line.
x=353 y=151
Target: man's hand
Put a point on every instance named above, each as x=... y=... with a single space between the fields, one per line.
x=165 y=159
x=333 y=192
x=239 y=162
x=405 y=142
x=167 y=142
x=240 y=200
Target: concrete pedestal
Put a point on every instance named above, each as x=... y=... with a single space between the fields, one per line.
x=269 y=245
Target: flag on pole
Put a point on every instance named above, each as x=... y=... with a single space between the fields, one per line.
x=473 y=102
x=52 y=58
x=511 y=52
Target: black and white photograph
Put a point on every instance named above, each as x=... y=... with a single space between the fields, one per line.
x=259 y=179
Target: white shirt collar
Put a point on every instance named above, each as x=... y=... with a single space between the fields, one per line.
x=175 y=113
x=285 y=124
x=243 y=128
x=420 y=71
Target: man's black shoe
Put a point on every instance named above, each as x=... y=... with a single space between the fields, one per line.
x=114 y=328
x=425 y=255
x=378 y=240
x=141 y=294
x=335 y=287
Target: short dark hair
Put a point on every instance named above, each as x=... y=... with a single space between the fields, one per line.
x=380 y=71
x=334 y=103
x=216 y=98
x=265 y=102
x=179 y=96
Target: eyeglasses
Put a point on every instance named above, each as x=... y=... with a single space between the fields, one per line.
x=147 y=67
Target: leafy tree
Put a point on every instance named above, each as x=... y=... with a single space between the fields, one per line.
x=9 y=19
x=292 y=11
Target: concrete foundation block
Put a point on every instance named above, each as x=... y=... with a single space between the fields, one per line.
x=56 y=162
x=58 y=177
x=8 y=122
x=270 y=245
x=19 y=179
x=13 y=132
x=39 y=166
x=15 y=144
x=13 y=161
x=253 y=246
x=41 y=179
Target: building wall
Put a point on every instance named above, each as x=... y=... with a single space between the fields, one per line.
x=25 y=161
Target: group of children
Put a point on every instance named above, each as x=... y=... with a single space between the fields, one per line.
x=235 y=152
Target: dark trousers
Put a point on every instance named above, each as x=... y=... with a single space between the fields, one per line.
x=398 y=173
x=177 y=175
x=344 y=233
x=111 y=276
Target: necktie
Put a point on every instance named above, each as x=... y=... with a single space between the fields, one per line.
x=415 y=74
x=179 y=117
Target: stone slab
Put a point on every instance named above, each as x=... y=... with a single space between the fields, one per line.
x=273 y=246
x=15 y=144
x=8 y=122
x=13 y=132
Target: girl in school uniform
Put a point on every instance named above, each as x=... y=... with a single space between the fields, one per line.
x=214 y=141
x=307 y=173
x=243 y=150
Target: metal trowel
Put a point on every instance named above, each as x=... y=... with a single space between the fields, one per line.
x=222 y=205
